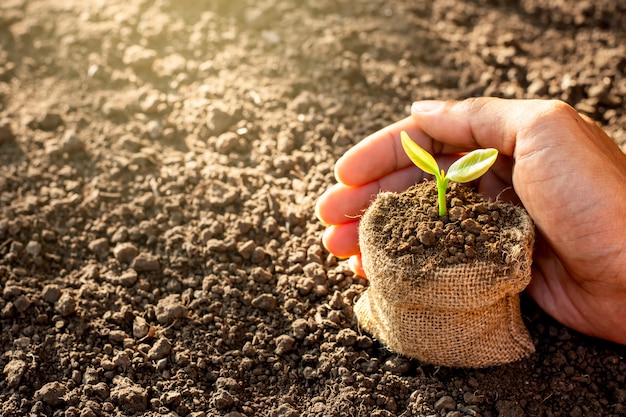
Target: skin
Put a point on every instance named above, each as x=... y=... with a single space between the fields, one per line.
x=560 y=165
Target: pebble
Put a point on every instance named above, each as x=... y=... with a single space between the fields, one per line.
x=347 y=337
x=125 y=252
x=129 y=396
x=21 y=304
x=71 y=143
x=140 y=327
x=218 y=119
x=33 y=248
x=260 y=275
x=49 y=121
x=445 y=403
x=397 y=365
x=223 y=399
x=138 y=57
x=99 y=247
x=13 y=372
x=51 y=393
x=169 y=309
x=145 y=262
x=284 y=344
x=266 y=302
x=161 y=349
x=300 y=328
x=65 y=305
x=472 y=226
x=246 y=249
x=128 y=278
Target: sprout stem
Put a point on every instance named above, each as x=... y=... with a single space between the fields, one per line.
x=442 y=186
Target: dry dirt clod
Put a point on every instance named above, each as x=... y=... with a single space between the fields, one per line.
x=161 y=349
x=125 y=252
x=266 y=302
x=51 y=393
x=129 y=396
x=14 y=371
x=66 y=304
x=202 y=133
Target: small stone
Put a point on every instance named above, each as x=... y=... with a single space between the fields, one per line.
x=161 y=349
x=397 y=365
x=445 y=403
x=125 y=252
x=49 y=121
x=145 y=262
x=14 y=371
x=128 y=278
x=172 y=398
x=169 y=309
x=66 y=305
x=472 y=226
x=223 y=399
x=347 y=337
x=426 y=237
x=71 y=143
x=33 y=248
x=218 y=119
x=11 y=291
x=129 y=396
x=266 y=302
x=141 y=328
x=52 y=393
x=456 y=214
x=284 y=344
x=300 y=328
x=260 y=275
x=139 y=57
x=246 y=248
x=117 y=336
x=21 y=304
x=100 y=247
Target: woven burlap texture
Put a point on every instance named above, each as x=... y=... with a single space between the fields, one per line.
x=465 y=315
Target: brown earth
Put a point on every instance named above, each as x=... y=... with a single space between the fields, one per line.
x=407 y=226
x=159 y=162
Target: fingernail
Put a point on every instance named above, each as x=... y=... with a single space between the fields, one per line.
x=426 y=106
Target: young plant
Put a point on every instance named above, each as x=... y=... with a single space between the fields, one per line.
x=468 y=168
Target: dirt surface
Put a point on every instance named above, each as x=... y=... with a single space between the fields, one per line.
x=159 y=162
x=407 y=226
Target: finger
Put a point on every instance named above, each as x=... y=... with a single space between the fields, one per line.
x=488 y=122
x=342 y=204
x=381 y=154
x=356 y=265
x=342 y=240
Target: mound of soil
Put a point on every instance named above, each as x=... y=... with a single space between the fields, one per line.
x=408 y=225
x=159 y=163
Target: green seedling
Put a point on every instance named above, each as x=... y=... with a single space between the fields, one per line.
x=467 y=168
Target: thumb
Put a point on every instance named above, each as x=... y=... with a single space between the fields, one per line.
x=488 y=122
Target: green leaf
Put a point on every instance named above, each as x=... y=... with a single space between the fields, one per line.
x=418 y=155
x=472 y=165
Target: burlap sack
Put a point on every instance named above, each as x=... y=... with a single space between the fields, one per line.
x=464 y=315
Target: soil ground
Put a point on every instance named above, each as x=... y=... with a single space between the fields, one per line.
x=159 y=162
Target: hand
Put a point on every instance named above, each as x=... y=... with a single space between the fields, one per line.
x=561 y=166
